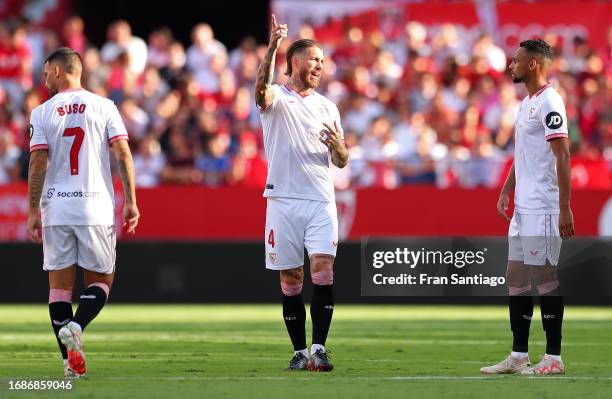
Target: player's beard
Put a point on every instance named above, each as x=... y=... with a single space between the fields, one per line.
x=52 y=90
x=517 y=79
x=307 y=81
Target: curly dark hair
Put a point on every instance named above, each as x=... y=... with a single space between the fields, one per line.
x=538 y=47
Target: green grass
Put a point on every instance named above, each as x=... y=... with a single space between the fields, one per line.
x=233 y=351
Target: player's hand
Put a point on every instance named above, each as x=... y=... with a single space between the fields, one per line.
x=130 y=218
x=566 y=223
x=331 y=137
x=278 y=33
x=35 y=227
x=502 y=205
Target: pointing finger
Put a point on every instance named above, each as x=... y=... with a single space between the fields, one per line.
x=274 y=21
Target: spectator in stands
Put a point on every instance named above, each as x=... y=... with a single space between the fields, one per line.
x=120 y=41
x=215 y=162
x=73 y=34
x=205 y=54
x=419 y=105
x=15 y=62
x=9 y=157
x=249 y=168
x=149 y=162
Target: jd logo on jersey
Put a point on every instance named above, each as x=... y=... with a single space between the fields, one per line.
x=554 y=120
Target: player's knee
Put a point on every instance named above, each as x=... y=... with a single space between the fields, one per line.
x=323 y=277
x=549 y=288
x=291 y=289
x=518 y=291
x=103 y=286
x=518 y=277
x=60 y=295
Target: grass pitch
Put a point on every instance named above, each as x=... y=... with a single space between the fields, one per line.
x=239 y=351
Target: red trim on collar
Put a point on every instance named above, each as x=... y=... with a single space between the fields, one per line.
x=290 y=89
x=537 y=93
x=70 y=90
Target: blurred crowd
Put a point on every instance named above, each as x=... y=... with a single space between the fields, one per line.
x=429 y=108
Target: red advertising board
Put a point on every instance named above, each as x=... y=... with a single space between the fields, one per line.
x=199 y=213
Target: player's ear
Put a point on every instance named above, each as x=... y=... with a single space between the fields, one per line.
x=56 y=71
x=532 y=64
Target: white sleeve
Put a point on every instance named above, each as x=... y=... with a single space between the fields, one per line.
x=115 y=129
x=277 y=94
x=554 y=118
x=38 y=138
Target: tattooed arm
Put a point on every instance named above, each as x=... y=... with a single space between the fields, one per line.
x=126 y=171
x=264 y=95
x=36 y=180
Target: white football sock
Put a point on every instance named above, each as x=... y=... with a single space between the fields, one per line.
x=519 y=355
x=556 y=357
x=316 y=347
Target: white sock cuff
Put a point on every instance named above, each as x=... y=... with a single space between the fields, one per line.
x=316 y=347
x=519 y=355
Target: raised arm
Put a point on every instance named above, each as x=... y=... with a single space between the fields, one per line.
x=264 y=95
x=560 y=147
x=126 y=171
x=36 y=180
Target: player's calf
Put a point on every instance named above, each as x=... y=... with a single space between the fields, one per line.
x=294 y=315
x=60 y=312
x=92 y=300
x=321 y=309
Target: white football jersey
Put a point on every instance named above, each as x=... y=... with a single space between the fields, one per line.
x=298 y=163
x=77 y=127
x=541 y=117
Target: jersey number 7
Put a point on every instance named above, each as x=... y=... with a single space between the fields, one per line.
x=79 y=135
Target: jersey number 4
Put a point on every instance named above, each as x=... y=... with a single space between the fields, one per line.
x=79 y=135
x=271 y=238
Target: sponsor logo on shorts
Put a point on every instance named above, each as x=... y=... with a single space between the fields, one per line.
x=549 y=316
x=73 y=194
x=334 y=244
x=534 y=253
x=272 y=256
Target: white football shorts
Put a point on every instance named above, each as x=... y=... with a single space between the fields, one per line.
x=534 y=239
x=91 y=247
x=294 y=224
